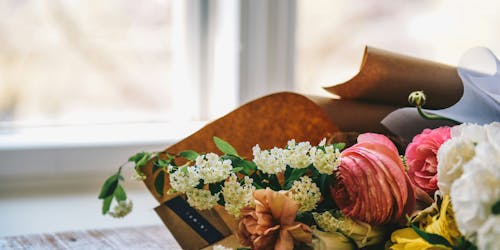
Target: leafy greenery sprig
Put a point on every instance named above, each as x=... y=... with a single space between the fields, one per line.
x=165 y=164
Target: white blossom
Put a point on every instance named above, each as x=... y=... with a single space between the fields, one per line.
x=212 y=169
x=469 y=132
x=325 y=161
x=475 y=192
x=184 y=179
x=138 y=176
x=489 y=234
x=202 y=199
x=363 y=234
x=451 y=157
x=236 y=195
x=296 y=155
x=305 y=193
x=269 y=161
x=220 y=247
x=122 y=209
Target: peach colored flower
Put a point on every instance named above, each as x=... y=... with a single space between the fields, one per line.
x=421 y=157
x=371 y=182
x=271 y=224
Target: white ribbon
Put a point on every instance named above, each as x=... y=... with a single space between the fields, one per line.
x=479 y=70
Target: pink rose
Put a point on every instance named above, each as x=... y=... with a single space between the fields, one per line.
x=271 y=224
x=421 y=157
x=371 y=182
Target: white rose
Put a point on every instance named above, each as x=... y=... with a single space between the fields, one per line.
x=475 y=192
x=469 y=132
x=493 y=135
x=488 y=234
x=451 y=157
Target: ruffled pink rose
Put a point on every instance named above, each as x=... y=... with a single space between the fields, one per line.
x=271 y=224
x=421 y=157
x=371 y=182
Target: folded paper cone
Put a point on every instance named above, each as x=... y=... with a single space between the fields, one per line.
x=268 y=121
x=352 y=115
x=388 y=78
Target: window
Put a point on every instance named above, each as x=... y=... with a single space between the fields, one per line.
x=71 y=62
x=442 y=31
x=100 y=80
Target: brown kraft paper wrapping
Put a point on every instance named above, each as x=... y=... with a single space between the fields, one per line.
x=268 y=121
x=388 y=78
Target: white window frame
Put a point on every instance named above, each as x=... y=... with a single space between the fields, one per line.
x=257 y=38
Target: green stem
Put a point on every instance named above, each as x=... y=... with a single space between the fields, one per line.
x=434 y=117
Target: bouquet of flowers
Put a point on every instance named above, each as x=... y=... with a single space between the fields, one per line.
x=441 y=192
x=352 y=197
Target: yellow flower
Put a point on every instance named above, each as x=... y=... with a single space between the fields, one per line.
x=408 y=239
x=432 y=220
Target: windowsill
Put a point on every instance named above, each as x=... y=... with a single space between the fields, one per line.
x=95 y=135
x=50 y=176
x=54 y=152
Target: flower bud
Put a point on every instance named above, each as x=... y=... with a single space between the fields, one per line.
x=417 y=98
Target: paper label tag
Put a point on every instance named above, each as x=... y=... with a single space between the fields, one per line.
x=194 y=220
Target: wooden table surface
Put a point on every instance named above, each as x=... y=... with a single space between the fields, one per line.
x=146 y=237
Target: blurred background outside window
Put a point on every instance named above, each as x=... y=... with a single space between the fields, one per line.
x=331 y=34
x=81 y=62
x=88 y=62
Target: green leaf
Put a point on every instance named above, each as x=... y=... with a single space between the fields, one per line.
x=249 y=167
x=189 y=154
x=160 y=163
x=495 y=209
x=224 y=146
x=215 y=187
x=142 y=162
x=160 y=183
x=305 y=217
x=138 y=157
x=106 y=204
x=324 y=182
x=274 y=183
x=120 y=193
x=184 y=169
x=339 y=146
x=109 y=186
x=201 y=184
x=295 y=175
x=433 y=239
x=237 y=169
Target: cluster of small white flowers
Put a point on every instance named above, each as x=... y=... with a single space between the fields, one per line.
x=220 y=247
x=184 y=180
x=328 y=222
x=122 y=209
x=296 y=155
x=361 y=233
x=325 y=161
x=305 y=193
x=138 y=176
x=212 y=169
x=237 y=196
x=201 y=199
x=269 y=161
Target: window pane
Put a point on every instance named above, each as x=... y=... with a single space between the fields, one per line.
x=87 y=61
x=331 y=34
